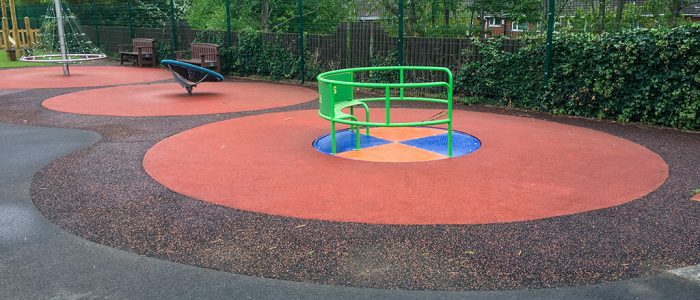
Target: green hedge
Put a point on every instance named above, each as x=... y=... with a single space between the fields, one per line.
x=646 y=75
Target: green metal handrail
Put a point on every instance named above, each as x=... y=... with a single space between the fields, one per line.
x=336 y=88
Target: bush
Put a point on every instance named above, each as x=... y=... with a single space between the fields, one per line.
x=645 y=75
x=252 y=56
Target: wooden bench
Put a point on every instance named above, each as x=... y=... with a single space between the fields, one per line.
x=143 y=50
x=203 y=55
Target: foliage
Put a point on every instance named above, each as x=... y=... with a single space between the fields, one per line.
x=253 y=56
x=320 y=16
x=452 y=17
x=384 y=76
x=643 y=75
x=648 y=14
x=502 y=76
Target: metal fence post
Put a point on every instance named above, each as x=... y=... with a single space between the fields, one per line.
x=550 y=32
x=228 y=23
x=130 y=20
x=95 y=23
x=173 y=27
x=302 y=62
x=229 y=63
x=399 y=40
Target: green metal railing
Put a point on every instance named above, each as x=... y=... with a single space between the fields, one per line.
x=336 y=92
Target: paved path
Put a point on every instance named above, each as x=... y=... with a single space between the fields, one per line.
x=40 y=261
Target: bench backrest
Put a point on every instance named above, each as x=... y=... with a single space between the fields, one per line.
x=329 y=94
x=203 y=48
x=141 y=42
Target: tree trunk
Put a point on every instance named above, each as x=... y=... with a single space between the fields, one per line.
x=618 y=14
x=265 y=15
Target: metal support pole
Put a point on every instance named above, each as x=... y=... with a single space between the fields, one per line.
x=130 y=19
x=550 y=32
x=61 y=35
x=96 y=23
x=228 y=35
x=300 y=21
x=399 y=40
x=173 y=27
x=228 y=23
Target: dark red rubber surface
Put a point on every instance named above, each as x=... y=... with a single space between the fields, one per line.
x=81 y=76
x=169 y=99
x=526 y=169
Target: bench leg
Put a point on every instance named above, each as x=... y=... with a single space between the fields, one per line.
x=121 y=59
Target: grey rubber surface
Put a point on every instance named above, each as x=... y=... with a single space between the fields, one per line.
x=40 y=261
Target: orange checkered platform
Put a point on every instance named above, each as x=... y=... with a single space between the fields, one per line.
x=398 y=144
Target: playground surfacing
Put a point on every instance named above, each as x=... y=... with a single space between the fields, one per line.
x=102 y=193
x=81 y=76
x=513 y=177
x=169 y=99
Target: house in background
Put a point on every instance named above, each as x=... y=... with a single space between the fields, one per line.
x=502 y=25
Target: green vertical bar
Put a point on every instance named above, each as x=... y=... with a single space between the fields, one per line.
x=333 y=148
x=96 y=23
x=449 y=116
x=228 y=36
x=400 y=34
x=387 y=104
x=130 y=19
x=173 y=27
x=401 y=81
x=550 y=32
x=228 y=23
x=300 y=24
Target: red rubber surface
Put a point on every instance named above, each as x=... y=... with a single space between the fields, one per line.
x=81 y=76
x=169 y=99
x=526 y=169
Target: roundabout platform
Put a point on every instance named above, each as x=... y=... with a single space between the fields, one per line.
x=525 y=170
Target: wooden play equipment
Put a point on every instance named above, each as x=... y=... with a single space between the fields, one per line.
x=15 y=39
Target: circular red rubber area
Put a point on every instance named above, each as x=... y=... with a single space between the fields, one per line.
x=80 y=76
x=169 y=99
x=526 y=169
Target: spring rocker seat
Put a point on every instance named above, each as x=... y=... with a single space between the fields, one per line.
x=336 y=94
x=189 y=75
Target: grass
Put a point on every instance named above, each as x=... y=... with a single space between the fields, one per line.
x=6 y=63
